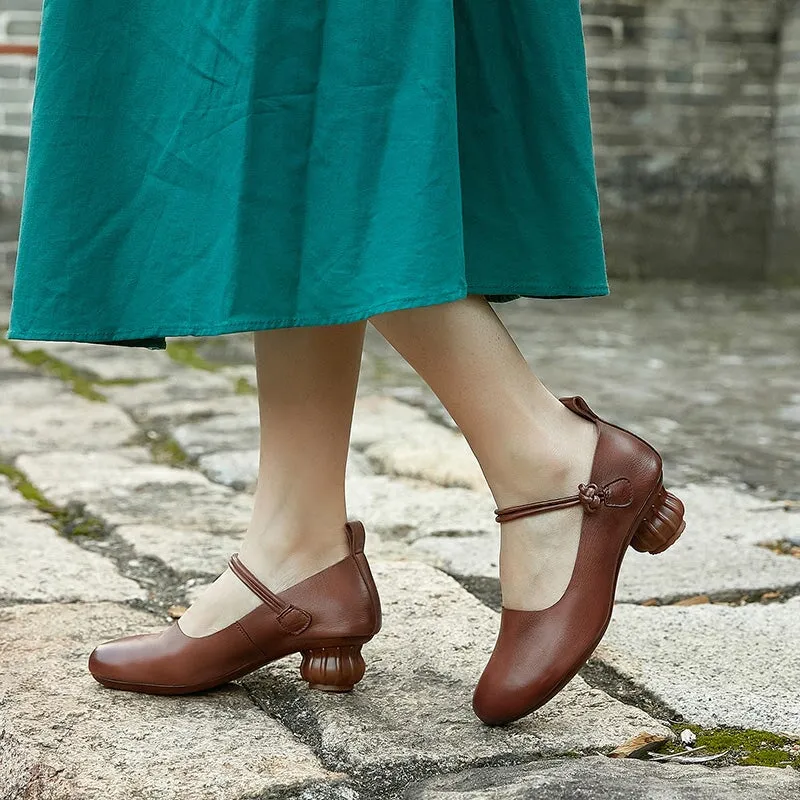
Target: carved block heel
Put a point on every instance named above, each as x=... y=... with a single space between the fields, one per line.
x=662 y=525
x=333 y=669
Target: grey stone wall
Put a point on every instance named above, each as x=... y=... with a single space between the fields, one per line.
x=682 y=95
x=696 y=109
x=784 y=263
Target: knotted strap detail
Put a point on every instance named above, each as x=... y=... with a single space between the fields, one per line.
x=292 y=619
x=616 y=494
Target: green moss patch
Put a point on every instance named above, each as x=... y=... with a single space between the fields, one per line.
x=70 y=520
x=243 y=386
x=80 y=383
x=747 y=747
x=74 y=520
x=123 y=381
x=163 y=448
x=186 y=353
x=20 y=483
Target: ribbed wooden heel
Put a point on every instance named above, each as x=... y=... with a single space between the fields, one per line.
x=333 y=669
x=662 y=525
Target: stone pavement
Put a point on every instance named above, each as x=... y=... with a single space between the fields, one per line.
x=124 y=480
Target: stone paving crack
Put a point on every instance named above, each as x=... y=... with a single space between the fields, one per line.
x=71 y=520
x=487 y=590
x=165 y=587
x=600 y=675
x=382 y=782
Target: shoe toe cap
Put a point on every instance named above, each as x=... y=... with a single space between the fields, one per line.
x=122 y=660
x=492 y=704
x=504 y=693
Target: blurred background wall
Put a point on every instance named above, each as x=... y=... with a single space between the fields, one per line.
x=697 y=120
x=696 y=108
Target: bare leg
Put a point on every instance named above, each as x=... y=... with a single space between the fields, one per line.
x=307 y=380
x=528 y=444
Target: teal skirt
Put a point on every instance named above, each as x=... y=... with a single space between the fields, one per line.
x=199 y=167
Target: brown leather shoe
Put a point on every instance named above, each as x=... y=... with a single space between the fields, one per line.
x=538 y=652
x=327 y=617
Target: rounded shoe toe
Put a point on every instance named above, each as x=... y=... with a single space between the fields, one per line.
x=500 y=699
x=122 y=660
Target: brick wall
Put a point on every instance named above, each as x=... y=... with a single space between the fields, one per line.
x=682 y=96
x=696 y=108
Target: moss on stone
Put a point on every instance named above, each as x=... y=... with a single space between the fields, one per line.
x=80 y=383
x=243 y=386
x=165 y=450
x=186 y=353
x=73 y=520
x=69 y=520
x=20 y=484
x=123 y=381
x=747 y=747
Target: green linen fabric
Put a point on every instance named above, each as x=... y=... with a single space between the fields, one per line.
x=199 y=167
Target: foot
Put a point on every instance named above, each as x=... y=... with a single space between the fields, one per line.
x=327 y=618
x=227 y=599
x=541 y=647
x=538 y=553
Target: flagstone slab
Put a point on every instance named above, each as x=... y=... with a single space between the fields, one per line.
x=403 y=441
x=715 y=664
x=408 y=510
x=184 y=550
x=44 y=414
x=124 y=491
x=186 y=395
x=63 y=736
x=39 y=565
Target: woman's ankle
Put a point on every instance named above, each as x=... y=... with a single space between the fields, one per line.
x=544 y=462
x=281 y=561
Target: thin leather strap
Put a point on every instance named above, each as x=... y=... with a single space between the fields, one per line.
x=615 y=494
x=528 y=510
x=292 y=619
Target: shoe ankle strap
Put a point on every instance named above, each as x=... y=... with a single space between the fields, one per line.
x=292 y=619
x=616 y=494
